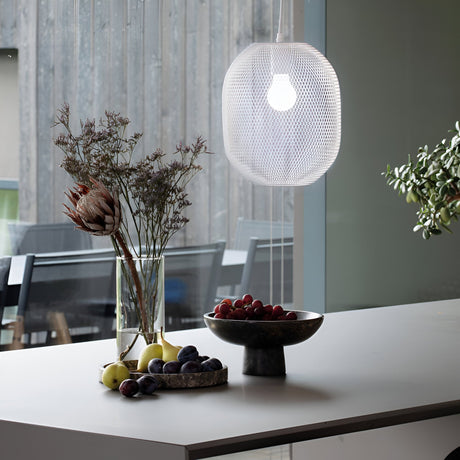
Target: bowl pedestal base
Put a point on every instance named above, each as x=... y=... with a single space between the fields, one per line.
x=266 y=362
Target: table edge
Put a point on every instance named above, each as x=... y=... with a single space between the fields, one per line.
x=323 y=430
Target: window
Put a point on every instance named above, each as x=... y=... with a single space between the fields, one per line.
x=9 y=133
x=162 y=65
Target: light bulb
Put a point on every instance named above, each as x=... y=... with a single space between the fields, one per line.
x=281 y=95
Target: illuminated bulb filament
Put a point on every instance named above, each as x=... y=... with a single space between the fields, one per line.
x=281 y=95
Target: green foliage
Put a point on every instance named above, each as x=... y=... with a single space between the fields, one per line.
x=433 y=182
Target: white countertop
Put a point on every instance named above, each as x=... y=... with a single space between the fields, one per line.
x=362 y=369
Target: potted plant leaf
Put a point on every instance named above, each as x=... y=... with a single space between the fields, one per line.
x=432 y=181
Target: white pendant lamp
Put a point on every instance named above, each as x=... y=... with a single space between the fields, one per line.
x=281 y=113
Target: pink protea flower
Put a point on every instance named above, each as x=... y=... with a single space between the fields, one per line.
x=96 y=210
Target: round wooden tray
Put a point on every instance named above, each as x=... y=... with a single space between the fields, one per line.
x=177 y=381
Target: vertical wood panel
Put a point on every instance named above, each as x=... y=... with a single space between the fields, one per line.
x=240 y=36
x=45 y=107
x=8 y=24
x=152 y=75
x=218 y=51
x=264 y=32
x=173 y=75
x=135 y=65
x=197 y=64
x=64 y=81
x=117 y=70
x=102 y=71
x=27 y=68
x=83 y=107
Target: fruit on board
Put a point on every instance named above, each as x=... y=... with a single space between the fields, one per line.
x=171 y=367
x=191 y=367
x=151 y=351
x=156 y=366
x=129 y=387
x=211 y=364
x=169 y=351
x=147 y=384
x=188 y=361
x=188 y=353
x=248 y=308
x=114 y=374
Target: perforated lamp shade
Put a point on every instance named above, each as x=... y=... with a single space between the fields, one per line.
x=281 y=114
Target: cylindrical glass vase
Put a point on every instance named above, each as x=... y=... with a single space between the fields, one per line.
x=140 y=304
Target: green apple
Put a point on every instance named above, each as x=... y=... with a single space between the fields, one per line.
x=114 y=374
x=151 y=351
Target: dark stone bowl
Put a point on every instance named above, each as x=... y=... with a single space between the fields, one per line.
x=263 y=341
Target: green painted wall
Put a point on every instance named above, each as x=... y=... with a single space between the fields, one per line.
x=398 y=66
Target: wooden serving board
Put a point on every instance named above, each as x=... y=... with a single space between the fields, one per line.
x=180 y=381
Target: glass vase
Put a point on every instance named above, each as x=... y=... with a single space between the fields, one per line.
x=140 y=304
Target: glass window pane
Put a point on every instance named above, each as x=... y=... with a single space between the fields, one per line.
x=162 y=65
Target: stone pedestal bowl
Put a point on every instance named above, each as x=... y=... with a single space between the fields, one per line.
x=263 y=341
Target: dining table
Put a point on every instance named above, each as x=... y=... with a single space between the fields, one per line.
x=362 y=370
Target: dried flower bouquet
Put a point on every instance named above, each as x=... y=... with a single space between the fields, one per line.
x=140 y=205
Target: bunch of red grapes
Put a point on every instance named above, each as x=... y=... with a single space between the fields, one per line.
x=249 y=308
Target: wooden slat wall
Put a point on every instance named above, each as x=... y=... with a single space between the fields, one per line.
x=159 y=62
x=8 y=24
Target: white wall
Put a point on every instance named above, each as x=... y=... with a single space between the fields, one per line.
x=9 y=115
x=398 y=65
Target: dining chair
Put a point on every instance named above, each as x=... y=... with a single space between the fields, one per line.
x=268 y=272
x=9 y=295
x=66 y=297
x=5 y=263
x=262 y=229
x=191 y=278
x=5 y=318
x=41 y=238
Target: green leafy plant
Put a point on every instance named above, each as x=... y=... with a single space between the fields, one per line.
x=433 y=182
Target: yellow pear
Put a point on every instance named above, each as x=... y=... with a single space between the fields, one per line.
x=169 y=351
x=151 y=351
x=114 y=374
